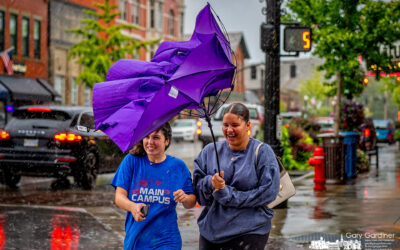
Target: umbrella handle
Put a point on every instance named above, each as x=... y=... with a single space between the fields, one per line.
x=213 y=137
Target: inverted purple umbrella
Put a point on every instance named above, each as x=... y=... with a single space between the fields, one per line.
x=138 y=96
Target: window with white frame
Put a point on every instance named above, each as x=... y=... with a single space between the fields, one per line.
x=25 y=36
x=135 y=11
x=13 y=32
x=87 y=96
x=171 y=23
x=160 y=14
x=36 y=39
x=152 y=21
x=74 y=92
x=122 y=9
x=59 y=86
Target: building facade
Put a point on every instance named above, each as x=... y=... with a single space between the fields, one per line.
x=155 y=20
x=23 y=50
x=23 y=27
x=62 y=73
x=292 y=73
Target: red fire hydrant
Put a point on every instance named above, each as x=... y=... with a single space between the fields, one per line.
x=317 y=161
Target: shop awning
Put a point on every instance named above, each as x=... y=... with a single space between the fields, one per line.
x=28 y=89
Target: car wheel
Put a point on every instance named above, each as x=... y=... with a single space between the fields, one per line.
x=60 y=183
x=10 y=179
x=86 y=177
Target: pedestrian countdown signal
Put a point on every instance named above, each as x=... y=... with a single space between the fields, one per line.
x=297 y=39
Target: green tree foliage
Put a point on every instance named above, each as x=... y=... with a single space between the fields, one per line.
x=343 y=30
x=392 y=85
x=103 y=43
x=314 y=89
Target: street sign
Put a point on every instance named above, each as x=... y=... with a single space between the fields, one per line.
x=297 y=39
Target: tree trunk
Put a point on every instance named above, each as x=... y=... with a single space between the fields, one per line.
x=338 y=101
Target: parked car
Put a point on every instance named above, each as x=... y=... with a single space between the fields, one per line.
x=384 y=130
x=185 y=129
x=287 y=117
x=326 y=124
x=55 y=141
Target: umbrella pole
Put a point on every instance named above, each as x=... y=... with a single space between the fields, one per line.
x=215 y=145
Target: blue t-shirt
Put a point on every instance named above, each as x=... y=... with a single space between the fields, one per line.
x=154 y=184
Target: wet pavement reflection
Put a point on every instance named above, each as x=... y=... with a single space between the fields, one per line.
x=23 y=227
x=36 y=217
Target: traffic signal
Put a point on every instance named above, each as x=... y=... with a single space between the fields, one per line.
x=268 y=37
x=365 y=81
x=297 y=39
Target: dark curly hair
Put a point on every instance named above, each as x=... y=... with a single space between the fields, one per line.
x=138 y=149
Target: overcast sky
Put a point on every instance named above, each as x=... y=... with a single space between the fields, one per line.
x=236 y=15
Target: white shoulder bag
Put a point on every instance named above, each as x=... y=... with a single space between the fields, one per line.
x=286 y=189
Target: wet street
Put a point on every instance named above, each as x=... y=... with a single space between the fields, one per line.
x=35 y=217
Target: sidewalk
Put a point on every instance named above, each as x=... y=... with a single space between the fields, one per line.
x=366 y=209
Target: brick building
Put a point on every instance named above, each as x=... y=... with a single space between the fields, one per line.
x=155 y=19
x=23 y=25
x=23 y=33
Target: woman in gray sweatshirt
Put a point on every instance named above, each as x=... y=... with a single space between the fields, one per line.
x=234 y=214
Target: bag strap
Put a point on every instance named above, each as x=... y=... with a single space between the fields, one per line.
x=282 y=169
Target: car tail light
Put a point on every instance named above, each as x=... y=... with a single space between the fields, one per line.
x=366 y=132
x=67 y=137
x=65 y=159
x=39 y=109
x=4 y=135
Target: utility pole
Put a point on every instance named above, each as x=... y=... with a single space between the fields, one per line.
x=272 y=79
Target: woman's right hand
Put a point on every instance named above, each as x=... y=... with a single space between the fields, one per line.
x=136 y=213
x=218 y=182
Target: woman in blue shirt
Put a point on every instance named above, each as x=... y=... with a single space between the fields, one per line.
x=149 y=176
x=234 y=214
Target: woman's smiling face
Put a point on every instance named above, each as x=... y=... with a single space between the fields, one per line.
x=154 y=144
x=235 y=130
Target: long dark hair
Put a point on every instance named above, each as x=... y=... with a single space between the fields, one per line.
x=138 y=149
x=238 y=109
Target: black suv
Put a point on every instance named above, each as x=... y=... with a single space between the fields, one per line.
x=56 y=141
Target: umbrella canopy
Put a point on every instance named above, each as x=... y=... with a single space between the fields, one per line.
x=138 y=96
